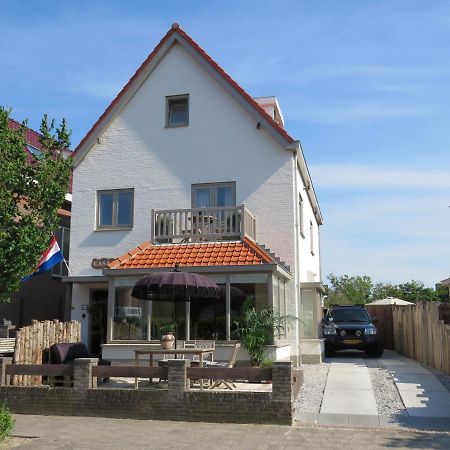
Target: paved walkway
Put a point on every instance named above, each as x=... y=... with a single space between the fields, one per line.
x=52 y=432
x=422 y=393
x=349 y=399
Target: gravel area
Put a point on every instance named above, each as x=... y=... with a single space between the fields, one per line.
x=387 y=397
x=310 y=396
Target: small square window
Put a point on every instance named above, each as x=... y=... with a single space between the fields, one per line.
x=115 y=209
x=177 y=111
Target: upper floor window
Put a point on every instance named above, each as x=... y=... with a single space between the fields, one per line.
x=210 y=195
x=311 y=234
x=300 y=215
x=115 y=209
x=177 y=111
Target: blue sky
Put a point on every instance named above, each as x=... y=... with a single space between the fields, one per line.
x=364 y=85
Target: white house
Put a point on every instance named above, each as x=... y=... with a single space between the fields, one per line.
x=185 y=167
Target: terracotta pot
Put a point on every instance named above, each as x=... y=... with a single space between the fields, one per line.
x=167 y=341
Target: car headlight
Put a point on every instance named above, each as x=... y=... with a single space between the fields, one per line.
x=329 y=331
x=369 y=331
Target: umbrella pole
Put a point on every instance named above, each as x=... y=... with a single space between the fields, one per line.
x=188 y=320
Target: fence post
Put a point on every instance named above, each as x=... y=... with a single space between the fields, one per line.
x=82 y=374
x=3 y=362
x=176 y=376
x=282 y=381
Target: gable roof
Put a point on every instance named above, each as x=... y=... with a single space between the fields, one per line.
x=149 y=256
x=177 y=34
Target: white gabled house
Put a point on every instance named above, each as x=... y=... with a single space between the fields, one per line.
x=185 y=167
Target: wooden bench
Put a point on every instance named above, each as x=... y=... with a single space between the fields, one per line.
x=7 y=346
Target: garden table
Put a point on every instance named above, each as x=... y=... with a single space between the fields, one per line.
x=200 y=352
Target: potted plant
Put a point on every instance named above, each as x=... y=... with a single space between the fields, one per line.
x=255 y=331
x=167 y=336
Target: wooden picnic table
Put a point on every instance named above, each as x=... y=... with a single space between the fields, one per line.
x=200 y=352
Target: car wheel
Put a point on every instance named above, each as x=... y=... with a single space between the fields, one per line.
x=328 y=350
x=374 y=351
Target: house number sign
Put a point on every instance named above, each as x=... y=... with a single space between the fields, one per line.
x=101 y=263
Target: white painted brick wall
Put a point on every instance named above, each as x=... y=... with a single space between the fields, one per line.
x=221 y=143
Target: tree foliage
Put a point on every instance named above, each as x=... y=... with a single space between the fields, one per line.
x=349 y=290
x=31 y=191
x=344 y=289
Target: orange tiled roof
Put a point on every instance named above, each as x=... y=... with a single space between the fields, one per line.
x=149 y=256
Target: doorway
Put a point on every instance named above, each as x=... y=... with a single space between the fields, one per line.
x=98 y=314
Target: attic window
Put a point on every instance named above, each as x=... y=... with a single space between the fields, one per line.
x=34 y=151
x=177 y=114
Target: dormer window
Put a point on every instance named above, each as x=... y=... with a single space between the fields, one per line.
x=177 y=114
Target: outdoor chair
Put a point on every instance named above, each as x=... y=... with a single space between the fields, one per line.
x=230 y=364
x=67 y=352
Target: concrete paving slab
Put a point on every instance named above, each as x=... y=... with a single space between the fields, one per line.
x=345 y=401
x=427 y=404
x=333 y=419
x=363 y=420
x=412 y=369
x=344 y=380
x=419 y=382
x=348 y=369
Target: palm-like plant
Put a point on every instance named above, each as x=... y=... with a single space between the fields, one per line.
x=256 y=328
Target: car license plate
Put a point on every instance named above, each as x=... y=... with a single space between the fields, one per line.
x=352 y=341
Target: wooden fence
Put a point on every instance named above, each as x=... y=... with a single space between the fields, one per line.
x=383 y=314
x=420 y=334
x=33 y=340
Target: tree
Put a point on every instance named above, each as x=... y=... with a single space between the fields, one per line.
x=349 y=290
x=383 y=290
x=415 y=291
x=31 y=192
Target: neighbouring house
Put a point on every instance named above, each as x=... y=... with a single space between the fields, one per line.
x=185 y=167
x=445 y=284
x=43 y=297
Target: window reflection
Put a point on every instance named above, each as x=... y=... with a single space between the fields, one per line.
x=130 y=316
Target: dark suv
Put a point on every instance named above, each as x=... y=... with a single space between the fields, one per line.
x=350 y=327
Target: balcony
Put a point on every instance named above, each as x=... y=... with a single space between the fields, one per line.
x=177 y=226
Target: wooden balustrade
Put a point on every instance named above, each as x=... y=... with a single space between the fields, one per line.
x=202 y=224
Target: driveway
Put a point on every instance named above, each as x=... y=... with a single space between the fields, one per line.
x=389 y=391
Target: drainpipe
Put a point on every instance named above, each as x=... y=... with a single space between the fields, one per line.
x=295 y=148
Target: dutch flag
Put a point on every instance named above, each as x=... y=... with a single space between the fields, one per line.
x=50 y=258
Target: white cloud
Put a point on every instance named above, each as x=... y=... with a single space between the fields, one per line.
x=354 y=113
x=380 y=178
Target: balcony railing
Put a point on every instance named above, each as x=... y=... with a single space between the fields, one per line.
x=202 y=224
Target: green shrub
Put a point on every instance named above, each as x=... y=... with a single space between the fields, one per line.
x=6 y=422
x=255 y=330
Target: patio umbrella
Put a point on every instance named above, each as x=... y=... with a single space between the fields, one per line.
x=391 y=301
x=175 y=286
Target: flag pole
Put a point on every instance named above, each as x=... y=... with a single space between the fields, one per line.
x=68 y=270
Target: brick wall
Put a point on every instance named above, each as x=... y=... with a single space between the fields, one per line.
x=176 y=403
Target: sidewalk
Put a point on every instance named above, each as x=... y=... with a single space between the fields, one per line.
x=349 y=399
x=45 y=432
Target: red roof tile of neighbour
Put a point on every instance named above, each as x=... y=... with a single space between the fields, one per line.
x=149 y=256
x=32 y=138
x=176 y=29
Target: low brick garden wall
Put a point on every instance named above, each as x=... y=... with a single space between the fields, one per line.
x=178 y=402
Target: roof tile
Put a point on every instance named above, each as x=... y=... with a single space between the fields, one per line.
x=150 y=256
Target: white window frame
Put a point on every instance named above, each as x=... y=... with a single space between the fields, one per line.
x=213 y=192
x=114 y=226
x=300 y=216
x=311 y=233
x=176 y=98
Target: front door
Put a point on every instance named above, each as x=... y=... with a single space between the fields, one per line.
x=98 y=312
